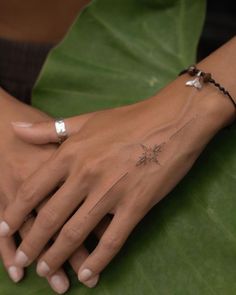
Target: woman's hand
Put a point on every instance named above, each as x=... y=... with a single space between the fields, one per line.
x=123 y=161
x=18 y=160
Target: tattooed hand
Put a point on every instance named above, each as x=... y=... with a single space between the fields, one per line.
x=123 y=162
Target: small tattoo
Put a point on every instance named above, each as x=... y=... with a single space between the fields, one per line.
x=106 y=194
x=150 y=154
x=184 y=126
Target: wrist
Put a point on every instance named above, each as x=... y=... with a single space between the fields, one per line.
x=209 y=101
x=222 y=65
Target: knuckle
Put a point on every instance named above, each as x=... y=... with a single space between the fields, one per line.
x=90 y=168
x=47 y=218
x=58 y=159
x=25 y=193
x=71 y=234
x=67 y=151
x=112 y=243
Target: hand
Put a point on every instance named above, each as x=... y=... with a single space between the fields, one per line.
x=122 y=162
x=17 y=162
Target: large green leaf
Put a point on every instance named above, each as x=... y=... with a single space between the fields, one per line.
x=116 y=53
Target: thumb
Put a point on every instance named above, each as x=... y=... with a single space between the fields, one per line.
x=45 y=132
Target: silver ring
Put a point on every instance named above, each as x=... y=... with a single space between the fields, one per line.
x=61 y=130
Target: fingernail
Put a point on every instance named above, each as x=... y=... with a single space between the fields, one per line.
x=92 y=283
x=22 y=124
x=42 y=269
x=59 y=284
x=21 y=259
x=15 y=273
x=85 y=274
x=4 y=228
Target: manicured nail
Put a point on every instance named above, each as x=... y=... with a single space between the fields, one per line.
x=15 y=273
x=22 y=124
x=92 y=282
x=59 y=284
x=85 y=274
x=42 y=269
x=21 y=259
x=4 y=228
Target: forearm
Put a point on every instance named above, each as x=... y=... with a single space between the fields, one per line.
x=210 y=102
x=18 y=159
x=13 y=110
x=38 y=21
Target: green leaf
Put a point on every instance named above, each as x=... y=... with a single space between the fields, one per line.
x=116 y=53
x=119 y=52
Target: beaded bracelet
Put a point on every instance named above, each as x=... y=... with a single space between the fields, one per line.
x=202 y=77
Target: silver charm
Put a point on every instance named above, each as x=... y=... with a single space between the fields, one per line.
x=195 y=82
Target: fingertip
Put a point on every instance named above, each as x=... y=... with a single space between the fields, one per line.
x=15 y=273
x=92 y=282
x=42 y=269
x=59 y=283
x=4 y=229
x=21 y=259
x=36 y=133
x=21 y=124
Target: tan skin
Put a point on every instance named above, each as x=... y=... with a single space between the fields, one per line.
x=32 y=20
x=105 y=175
x=18 y=160
x=98 y=165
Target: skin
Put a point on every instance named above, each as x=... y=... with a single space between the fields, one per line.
x=98 y=165
x=18 y=161
x=32 y=20
x=14 y=24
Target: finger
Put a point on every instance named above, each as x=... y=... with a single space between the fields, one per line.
x=7 y=253
x=45 y=132
x=102 y=226
x=38 y=186
x=71 y=237
x=7 y=250
x=79 y=226
x=77 y=259
x=111 y=242
x=58 y=281
x=80 y=255
x=49 y=220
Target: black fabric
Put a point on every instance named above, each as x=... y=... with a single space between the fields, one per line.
x=20 y=64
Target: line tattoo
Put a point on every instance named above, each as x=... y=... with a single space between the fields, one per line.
x=180 y=129
x=105 y=194
x=150 y=154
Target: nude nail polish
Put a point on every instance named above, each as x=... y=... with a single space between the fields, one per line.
x=59 y=284
x=92 y=282
x=15 y=273
x=42 y=268
x=22 y=124
x=85 y=274
x=21 y=258
x=4 y=228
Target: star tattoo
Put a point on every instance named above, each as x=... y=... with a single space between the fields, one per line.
x=150 y=154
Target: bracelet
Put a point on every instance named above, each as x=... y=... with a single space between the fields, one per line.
x=202 y=77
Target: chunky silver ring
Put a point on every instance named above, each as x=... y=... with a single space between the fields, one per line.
x=61 y=130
